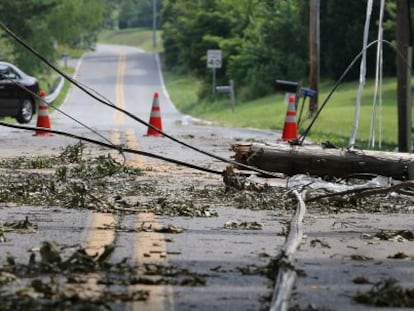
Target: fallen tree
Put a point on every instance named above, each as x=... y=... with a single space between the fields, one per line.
x=324 y=162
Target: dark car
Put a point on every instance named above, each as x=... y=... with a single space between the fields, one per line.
x=17 y=91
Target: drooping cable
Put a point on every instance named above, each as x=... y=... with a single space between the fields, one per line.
x=302 y=138
x=362 y=76
x=37 y=96
x=132 y=116
x=111 y=146
x=378 y=85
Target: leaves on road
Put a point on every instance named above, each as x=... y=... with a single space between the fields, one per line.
x=63 y=281
x=243 y=225
x=387 y=293
x=21 y=226
x=392 y=235
x=361 y=258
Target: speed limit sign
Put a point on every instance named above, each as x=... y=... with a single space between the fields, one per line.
x=213 y=58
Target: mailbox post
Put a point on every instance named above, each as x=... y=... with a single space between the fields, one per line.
x=65 y=57
x=228 y=89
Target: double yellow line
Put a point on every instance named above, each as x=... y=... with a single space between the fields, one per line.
x=120 y=98
x=149 y=246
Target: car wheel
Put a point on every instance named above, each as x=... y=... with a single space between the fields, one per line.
x=26 y=111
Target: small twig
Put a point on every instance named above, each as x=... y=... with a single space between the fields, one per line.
x=383 y=190
x=334 y=194
x=368 y=191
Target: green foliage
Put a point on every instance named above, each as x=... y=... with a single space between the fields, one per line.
x=77 y=22
x=138 y=37
x=341 y=40
x=274 y=48
x=136 y=13
x=188 y=27
x=45 y=24
x=260 y=41
x=266 y=40
x=111 y=15
x=26 y=19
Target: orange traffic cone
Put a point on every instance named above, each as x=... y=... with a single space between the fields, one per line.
x=155 y=118
x=290 y=130
x=43 y=116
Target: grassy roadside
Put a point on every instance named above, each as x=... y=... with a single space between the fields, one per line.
x=138 y=37
x=65 y=89
x=335 y=123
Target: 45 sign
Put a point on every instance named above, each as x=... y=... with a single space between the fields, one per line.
x=213 y=58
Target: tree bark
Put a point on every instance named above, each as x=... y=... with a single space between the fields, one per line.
x=404 y=61
x=314 y=46
x=317 y=161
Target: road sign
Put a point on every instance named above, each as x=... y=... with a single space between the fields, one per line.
x=213 y=58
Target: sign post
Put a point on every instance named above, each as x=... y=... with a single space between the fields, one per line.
x=214 y=61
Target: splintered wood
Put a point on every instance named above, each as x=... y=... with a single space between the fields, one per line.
x=323 y=162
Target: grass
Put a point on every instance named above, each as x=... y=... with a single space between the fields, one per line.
x=335 y=123
x=66 y=86
x=138 y=37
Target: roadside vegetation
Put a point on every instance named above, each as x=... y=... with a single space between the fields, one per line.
x=139 y=37
x=261 y=41
x=269 y=112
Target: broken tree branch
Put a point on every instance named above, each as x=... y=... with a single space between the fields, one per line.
x=359 y=193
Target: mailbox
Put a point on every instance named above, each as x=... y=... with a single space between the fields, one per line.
x=308 y=92
x=225 y=89
x=286 y=86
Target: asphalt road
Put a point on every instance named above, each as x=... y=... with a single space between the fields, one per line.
x=129 y=78
x=214 y=268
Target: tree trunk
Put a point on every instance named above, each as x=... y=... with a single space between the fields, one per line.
x=314 y=46
x=404 y=62
x=314 y=160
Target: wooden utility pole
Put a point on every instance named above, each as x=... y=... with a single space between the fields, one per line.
x=314 y=52
x=317 y=161
x=154 y=24
x=404 y=61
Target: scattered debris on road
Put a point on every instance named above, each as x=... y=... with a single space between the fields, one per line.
x=387 y=293
x=243 y=225
x=79 y=179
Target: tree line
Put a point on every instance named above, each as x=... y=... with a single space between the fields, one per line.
x=261 y=40
x=264 y=40
x=49 y=24
x=46 y=24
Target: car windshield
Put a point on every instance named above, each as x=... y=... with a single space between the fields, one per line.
x=7 y=73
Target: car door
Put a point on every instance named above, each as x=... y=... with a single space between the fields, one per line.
x=9 y=91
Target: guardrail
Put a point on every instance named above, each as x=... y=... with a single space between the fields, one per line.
x=56 y=88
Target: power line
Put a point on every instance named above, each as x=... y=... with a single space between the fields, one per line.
x=106 y=102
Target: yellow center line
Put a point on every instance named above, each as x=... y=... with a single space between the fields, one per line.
x=116 y=140
x=101 y=233
x=137 y=160
x=151 y=247
x=120 y=99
